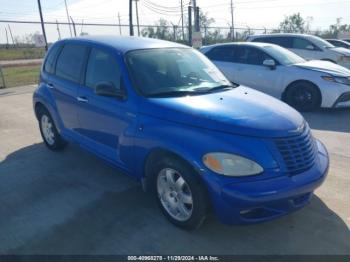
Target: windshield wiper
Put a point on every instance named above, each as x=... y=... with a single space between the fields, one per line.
x=196 y=91
x=216 y=88
x=175 y=93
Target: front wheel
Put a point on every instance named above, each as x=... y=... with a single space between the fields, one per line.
x=179 y=193
x=303 y=96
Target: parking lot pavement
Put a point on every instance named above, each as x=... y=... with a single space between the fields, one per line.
x=73 y=203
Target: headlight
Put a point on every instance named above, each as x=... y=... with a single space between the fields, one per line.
x=337 y=79
x=231 y=165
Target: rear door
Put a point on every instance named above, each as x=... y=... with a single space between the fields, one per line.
x=103 y=120
x=64 y=84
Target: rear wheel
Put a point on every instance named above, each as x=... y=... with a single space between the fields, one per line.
x=49 y=132
x=303 y=96
x=180 y=194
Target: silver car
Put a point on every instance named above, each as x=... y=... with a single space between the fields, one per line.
x=309 y=47
x=305 y=85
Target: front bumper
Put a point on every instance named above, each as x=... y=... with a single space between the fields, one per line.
x=259 y=201
x=334 y=95
x=343 y=101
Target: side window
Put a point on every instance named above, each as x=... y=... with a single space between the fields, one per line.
x=223 y=54
x=285 y=42
x=102 y=67
x=250 y=55
x=70 y=62
x=49 y=66
x=263 y=40
x=301 y=43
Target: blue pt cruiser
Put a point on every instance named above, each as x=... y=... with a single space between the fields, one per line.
x=164 y=114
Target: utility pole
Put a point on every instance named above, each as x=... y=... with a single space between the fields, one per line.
x=182 y=20
x=70 y=30
x=131 y=26
x=137 y=17
x=82 y=26
x=174 y=32
x=232 y=25
x=197 y=29
x=13 y=41
x=42 y=24
x=194 y=4
x=190 y=25
x=58 y=30
x=7 y=39
x=120 y=26
x=75 y=31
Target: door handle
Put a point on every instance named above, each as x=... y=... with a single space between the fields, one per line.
x=50 y=85
x=82 y=99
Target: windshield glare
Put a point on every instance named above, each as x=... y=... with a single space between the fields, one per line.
x=173 y=70
x=284 y=56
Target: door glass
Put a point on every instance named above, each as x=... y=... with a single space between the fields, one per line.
x=250 y=55
x=49 y=66
x=102 y=67
x=300 y=43
x=70 y=62
x=222 y=54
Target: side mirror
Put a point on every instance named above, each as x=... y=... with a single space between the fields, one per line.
x=270 y=63
x=310 y=47
x=108 y=89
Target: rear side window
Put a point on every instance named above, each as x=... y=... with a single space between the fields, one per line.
x=222 y=53
x=49 y=66
x=263 y=39
x=70 y=62
x=102 y=67
x=283 y=41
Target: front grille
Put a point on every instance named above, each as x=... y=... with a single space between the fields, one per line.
x=298 y=151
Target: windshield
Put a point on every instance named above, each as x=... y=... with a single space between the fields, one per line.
x=174 y=72
x=321 y=42
x=282 y=55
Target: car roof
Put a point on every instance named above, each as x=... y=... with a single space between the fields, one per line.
x=256 y=44
x=279 y=34
x=126 y=43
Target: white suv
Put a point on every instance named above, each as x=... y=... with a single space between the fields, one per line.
x=307 y=46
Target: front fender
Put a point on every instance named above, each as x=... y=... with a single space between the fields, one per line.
x=192 y=143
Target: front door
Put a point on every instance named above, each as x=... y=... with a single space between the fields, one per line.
x=104 y=120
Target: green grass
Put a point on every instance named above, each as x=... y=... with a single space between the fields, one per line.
x=21 y=53
x=21 y=75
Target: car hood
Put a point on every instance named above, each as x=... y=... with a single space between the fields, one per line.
x=325 y=67
x=241 y=111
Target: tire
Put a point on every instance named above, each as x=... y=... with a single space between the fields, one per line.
x=184 y=194
x=49 y=132
x=303 y=96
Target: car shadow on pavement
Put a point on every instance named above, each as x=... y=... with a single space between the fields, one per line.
x=329 y=119
x=73 y=203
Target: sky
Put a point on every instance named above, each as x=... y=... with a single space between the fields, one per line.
x=247 y=13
